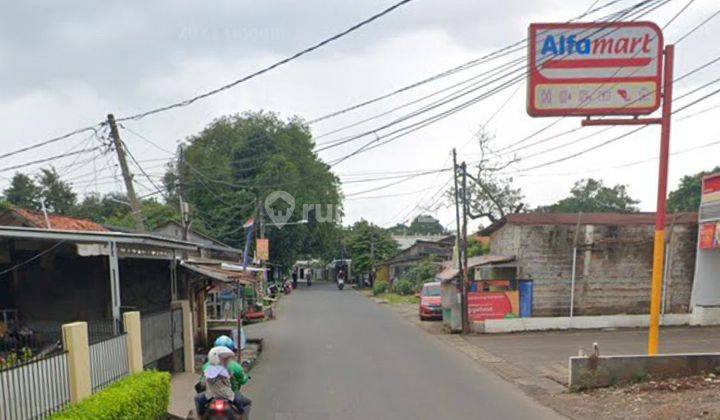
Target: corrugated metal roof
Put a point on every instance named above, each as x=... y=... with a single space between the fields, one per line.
x=37 y=220
x=450 y=272
x=214 y=271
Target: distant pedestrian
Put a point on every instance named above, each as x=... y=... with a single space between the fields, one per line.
x=308 y=277
x=294 y=277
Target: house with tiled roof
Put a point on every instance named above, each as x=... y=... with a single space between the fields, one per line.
x=25 y=218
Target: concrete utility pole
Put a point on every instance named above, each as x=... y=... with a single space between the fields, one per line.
x=464 y=288
x=461 y=249
x=184 y=208
x=127 y=176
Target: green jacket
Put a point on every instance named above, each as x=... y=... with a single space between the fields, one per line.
x=238 y=377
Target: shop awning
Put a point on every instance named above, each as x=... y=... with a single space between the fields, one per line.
x=216 y=272
x=450 y=273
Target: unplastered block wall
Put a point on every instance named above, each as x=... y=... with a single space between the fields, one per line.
x=614 y=266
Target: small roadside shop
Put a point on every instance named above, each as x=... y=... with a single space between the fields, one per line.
x=494 y=291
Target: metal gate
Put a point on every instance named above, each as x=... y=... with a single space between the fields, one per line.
x=162 y=334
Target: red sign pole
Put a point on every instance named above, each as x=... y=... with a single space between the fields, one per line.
x=659 y=246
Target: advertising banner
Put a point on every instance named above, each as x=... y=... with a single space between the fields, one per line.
x=492 y=305
x=602 y=68
x=263 y=249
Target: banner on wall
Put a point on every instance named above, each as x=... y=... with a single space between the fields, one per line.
x=492 y=305
x=708 y=235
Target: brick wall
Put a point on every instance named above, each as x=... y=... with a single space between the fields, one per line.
x=614 y=266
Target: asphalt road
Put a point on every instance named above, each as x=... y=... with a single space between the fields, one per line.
x=337 y=355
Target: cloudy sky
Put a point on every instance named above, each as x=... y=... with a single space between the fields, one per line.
x=67 y=64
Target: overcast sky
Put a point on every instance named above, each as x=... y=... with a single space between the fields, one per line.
x=67 y=64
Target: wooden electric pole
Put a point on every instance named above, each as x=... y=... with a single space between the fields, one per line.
x=127 y=176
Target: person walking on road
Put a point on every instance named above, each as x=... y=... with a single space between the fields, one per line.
x=308 y=276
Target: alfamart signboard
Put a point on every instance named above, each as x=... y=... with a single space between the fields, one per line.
x=594 y=68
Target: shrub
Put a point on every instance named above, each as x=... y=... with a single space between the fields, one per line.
x=380 y=287
x=404 y=287
x=144 y=395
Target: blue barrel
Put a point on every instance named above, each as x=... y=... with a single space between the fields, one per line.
x=526 y=298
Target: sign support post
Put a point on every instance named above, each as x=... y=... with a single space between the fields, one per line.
x=570 y=65
x=659 y=246
x=659 y=241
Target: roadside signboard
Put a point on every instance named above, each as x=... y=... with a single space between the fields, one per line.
x=598 y=68
x=263 y=249
x=492 y=305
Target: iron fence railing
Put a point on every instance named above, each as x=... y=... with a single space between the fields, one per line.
x=35 y=388
x=108 y=361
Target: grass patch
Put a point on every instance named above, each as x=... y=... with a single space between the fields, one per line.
x=395 y=299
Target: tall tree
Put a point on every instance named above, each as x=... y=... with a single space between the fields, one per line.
x=592 y=196
x=687 y=196
x=490 y=195
x=23 y=192
x=367 y=242
x=58 y=195
x=235 y=163
x=423 y=224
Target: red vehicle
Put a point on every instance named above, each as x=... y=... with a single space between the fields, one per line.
x=430 y=307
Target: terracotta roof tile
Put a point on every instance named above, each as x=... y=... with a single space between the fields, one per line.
x=58 y=222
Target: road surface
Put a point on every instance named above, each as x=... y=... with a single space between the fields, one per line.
x=335 y=354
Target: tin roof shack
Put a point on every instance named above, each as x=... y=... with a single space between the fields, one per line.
x=52 y=276
x=489 y=277
x=614 y=260
x=435 y=251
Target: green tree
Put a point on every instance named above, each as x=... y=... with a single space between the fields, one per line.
x=592 y=196
x=422 y=273
x=23 y=192
x=58 y=195
x=687 y=196
x=154 y=212
x=230 y=167
x=423 y=224
x=366 y=241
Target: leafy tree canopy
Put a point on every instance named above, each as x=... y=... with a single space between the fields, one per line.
x=423 y=224
x=687 y=196
x=365 y=242
x=23 y=192
x=592 y=196
x=228 y=169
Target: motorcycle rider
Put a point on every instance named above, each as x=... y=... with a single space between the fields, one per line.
x=223 y=376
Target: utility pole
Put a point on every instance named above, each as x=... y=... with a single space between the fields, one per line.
x=464 y=288
x=459 y=242
x=184 y=208
x=127 y=176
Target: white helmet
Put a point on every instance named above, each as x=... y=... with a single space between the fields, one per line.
x=216 y=354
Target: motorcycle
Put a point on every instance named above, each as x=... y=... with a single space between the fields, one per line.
x=287 y=287
x=218 y=408
x=341 y=283
x=221 y=408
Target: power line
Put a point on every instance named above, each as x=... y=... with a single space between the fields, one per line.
x=403 y=131
x=486 y=58
x=270 y=67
